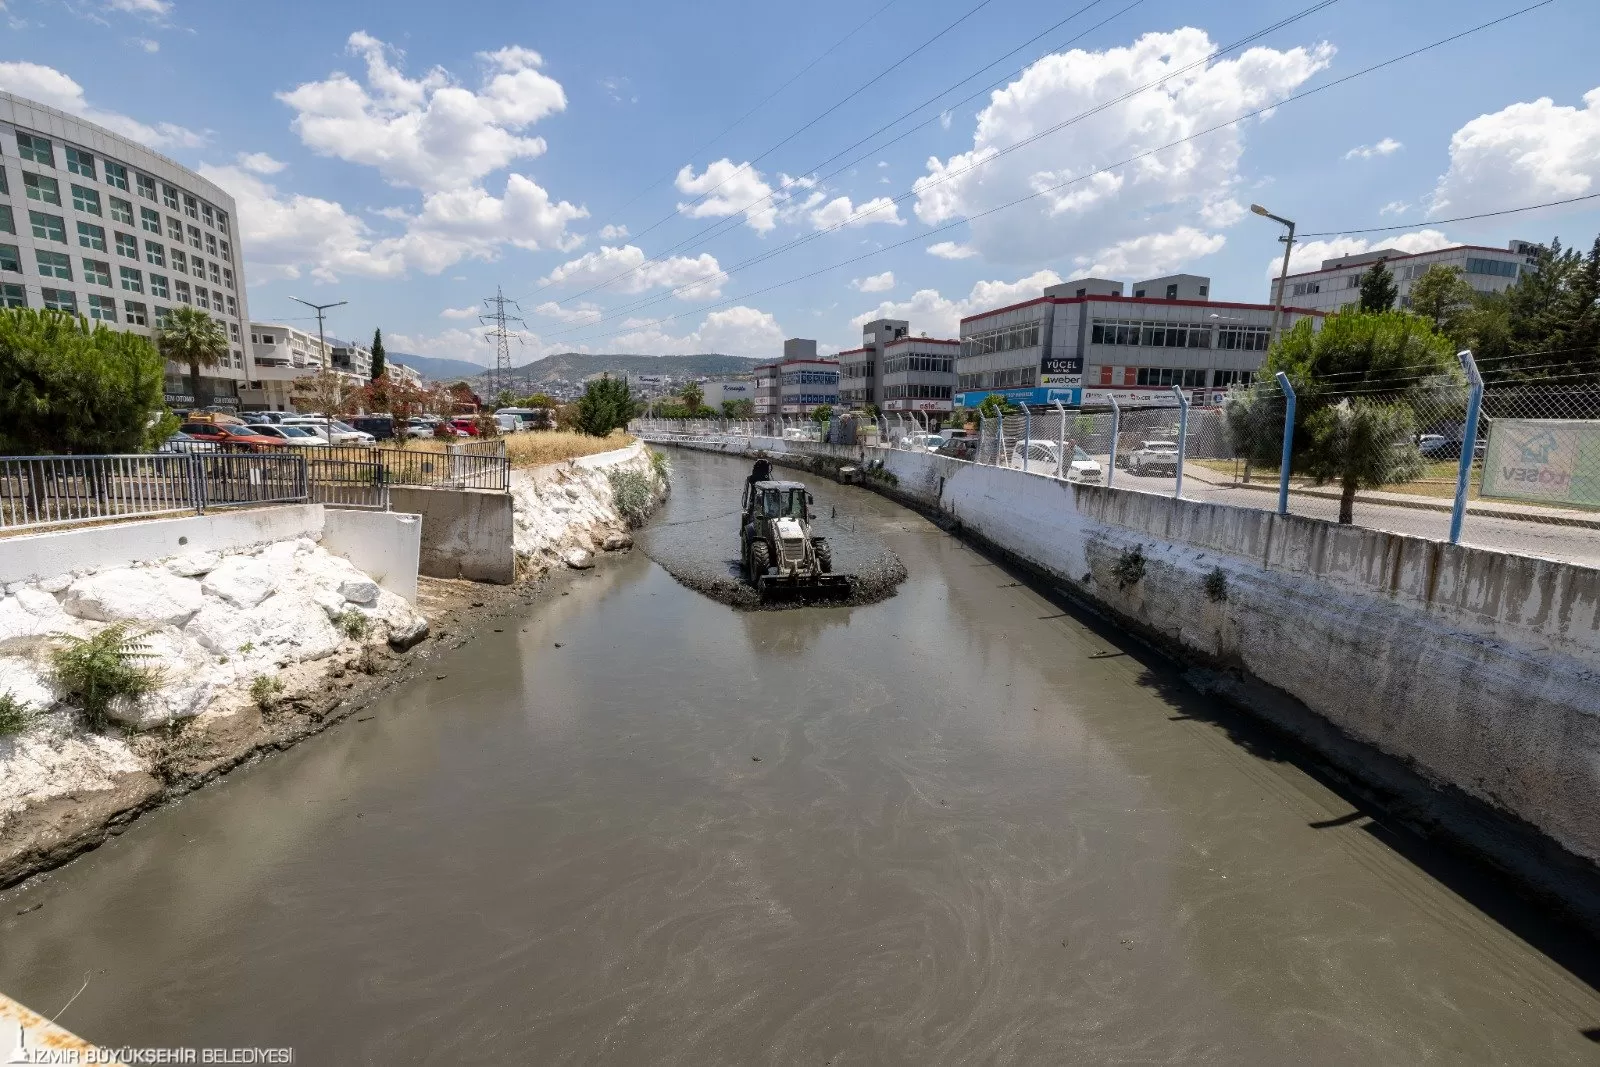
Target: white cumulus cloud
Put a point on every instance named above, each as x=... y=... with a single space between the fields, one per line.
x=1522 y=154
x=697 y=277
x=610 y=232
x=49 y=86
x=931 y=312
x=1100 y=212
x=877 y=283
x=1308 y=255
x=841 y=212
x=951 y=250
x=459 y=313
x=429 y=132
x=579 y=314
x=259 y=163
x=735 y=331
x=1386 y=147
x=727 y=188
x=148 y=8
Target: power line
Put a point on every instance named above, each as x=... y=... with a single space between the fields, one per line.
x=956 y=173
x=1458 y=218
x=885 y=72
x=1073 y=181
x=499 y=376
x=766 y=99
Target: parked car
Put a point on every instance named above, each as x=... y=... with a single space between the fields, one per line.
x=381 y=427
x=929 y=442
x=231 y=435
x=1437 y=447
x=182 y=443
x=293 y=435
x=1043 y=459
x=331 y=430
x=958 y=448
x=465 y=426
x=422 y=426
x=1154 y=457
x=952 y=433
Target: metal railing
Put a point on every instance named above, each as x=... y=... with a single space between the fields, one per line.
x=41 y=491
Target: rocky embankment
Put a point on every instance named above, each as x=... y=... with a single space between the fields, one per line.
x=566 y=512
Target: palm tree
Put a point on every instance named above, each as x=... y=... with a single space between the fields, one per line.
x=192 y=337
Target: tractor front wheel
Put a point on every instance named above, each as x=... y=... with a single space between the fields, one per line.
x=760 y=560
x=824 y=556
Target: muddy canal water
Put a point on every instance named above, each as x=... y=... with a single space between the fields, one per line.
x=955 y=826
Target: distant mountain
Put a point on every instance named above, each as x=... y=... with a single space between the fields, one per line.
x=437 y=370
x=575 y=366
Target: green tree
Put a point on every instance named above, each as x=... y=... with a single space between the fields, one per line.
x=1379 y=290
x=378 y=358
x=192 y=338
x=822 y=413
x=1375 y=368
x=1361 y=444
x=538 y=400
x=1254 y=422
x=694 y=397
x=606 y=405
x=505 y=398
x=1442 y=295
x=871 y=410
x=739 y=409
x=993 y=406
x=67 y=387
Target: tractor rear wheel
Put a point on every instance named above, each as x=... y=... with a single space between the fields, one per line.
x=824 y=557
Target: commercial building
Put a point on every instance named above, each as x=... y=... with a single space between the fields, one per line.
x=351 y=360
x=718 y=393
x=94 y=224
x=1337 y=283
x=401 y=374
x=898 y=372
x=279 y=355
x=1083 y=342
x=799 y=383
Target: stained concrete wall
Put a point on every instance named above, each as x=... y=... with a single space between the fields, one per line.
x=385 y=546
x=1477 y=669
x=466 y=533
x=30 y=557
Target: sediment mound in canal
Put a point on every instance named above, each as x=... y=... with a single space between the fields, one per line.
x=703 y=555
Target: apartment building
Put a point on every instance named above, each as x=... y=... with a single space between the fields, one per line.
x=351 y=359
x=898 y=372
x=279 y=355
x=799 y=383
x=97 y=225
x=1337 y=283
x=1083 y=342
x=400 y=374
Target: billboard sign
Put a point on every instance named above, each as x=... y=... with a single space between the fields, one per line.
x=1550 y=461
x=1142 y=398
x=1032 y=397
x=1061 y=371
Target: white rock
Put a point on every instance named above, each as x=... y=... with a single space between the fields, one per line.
x=194 y=564
x=16 y=587
x=359 y=590
x=28 y=682
x=222 y=628
x=241 y=581
x=579 y=559
x=616 y=542
x=403 y=637
x=186 y=687
x=329 y=600
x=38 y=602
x=18 y=623
x=56 y=583
x=295 y=628
x=128 y=595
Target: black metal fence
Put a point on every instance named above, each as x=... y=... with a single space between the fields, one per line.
x=40 y=491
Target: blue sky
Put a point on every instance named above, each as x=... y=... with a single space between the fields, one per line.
x=411 y=157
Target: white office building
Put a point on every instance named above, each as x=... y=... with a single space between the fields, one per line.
x=718 y=393
x=401 y=374
x=1337 y=283
x=94 y=224
x=279 y=356
x=1084 y=342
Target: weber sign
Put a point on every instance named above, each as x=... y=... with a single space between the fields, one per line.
x=1551 y=461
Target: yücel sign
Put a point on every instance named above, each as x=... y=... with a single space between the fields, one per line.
x=1061 y=370
x=1552 y=461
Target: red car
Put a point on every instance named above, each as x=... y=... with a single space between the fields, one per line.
x=465 y=427
x=232 y=435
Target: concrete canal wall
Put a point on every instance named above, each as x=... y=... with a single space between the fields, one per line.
x=1476 y=669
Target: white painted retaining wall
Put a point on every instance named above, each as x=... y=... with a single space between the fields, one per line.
x=1478 y=668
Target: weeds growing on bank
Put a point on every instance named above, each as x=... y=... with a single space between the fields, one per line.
x=96 y=671
x=539 y=447
x=15 y=716
x=265 y=690
x=351 y=623
x=631 y=494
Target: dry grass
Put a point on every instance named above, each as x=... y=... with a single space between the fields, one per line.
x=538 y=447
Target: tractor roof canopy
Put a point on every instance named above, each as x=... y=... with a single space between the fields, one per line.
x=780 y=485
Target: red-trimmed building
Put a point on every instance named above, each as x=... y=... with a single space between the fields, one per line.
x=1337 y=283
x=1084 y=341
x=898 y=372
x=799 y=383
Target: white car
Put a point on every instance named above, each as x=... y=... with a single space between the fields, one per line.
x=1154 y=457
x=422 y=426
x=1043 y=458
x=294 y=435
x=331 y=430
x=928 y=442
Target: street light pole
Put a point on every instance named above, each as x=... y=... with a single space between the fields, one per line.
x=1283 y=275
x=322 y=346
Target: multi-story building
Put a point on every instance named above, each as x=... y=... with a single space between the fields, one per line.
x=352 y=360
x=896 y=371
x=716 y=393
x=1082 y=342
x=279 y=355
x=400 y=374
x=799 y=383
x=95 y=224
x=1337 y=283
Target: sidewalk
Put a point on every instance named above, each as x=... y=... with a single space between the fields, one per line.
x=1491 y=509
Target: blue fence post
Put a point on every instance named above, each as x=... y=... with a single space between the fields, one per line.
x=1116 y=430
x=1469 y=442
x=1183 y=437
x=1288 y=443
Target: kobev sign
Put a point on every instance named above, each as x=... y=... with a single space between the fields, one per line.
x=1554 y=461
